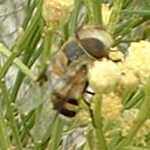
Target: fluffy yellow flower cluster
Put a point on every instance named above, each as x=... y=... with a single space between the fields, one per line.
x=138 y=59
x=128 y=120
x=128 y=81
x=106 y=76
x=54 y=11
x=111 y=106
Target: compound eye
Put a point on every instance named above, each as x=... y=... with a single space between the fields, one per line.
x=94 y=47
x=72 y=50
x=95 y=41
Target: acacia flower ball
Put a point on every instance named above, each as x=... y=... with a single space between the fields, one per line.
x=54 y=11
x=128 y=80
x=104 y=76
x=127 y=122
x=138 y=59
x=111 y=106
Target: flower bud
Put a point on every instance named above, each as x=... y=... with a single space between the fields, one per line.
x=54 y=11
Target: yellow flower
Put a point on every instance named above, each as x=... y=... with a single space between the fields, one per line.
x=128 y=120
x=104 y=76
x=55 y=11
x=116 y=55
x=111 y=106
x=138 y=59
x=128 y=80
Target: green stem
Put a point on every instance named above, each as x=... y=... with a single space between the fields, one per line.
x=115 y=15
x=26 y=59
x=46 y=53
x=142 y=13
x=97 y=124
x=27 y=122
x=90 y=139
x=56 y=134
x=29 y=11
x=94 y=8
x=126 y=28
x=4 y=139
x=74 y=16
x=11 y=118
x=17 y=62
x=24 y=41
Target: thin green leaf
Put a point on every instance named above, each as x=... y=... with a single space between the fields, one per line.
x=18 y=63
x=97 y=123
x=56 y=134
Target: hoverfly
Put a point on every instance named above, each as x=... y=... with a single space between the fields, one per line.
x=69 y=67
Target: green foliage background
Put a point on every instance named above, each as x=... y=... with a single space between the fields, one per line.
x=27 y=120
